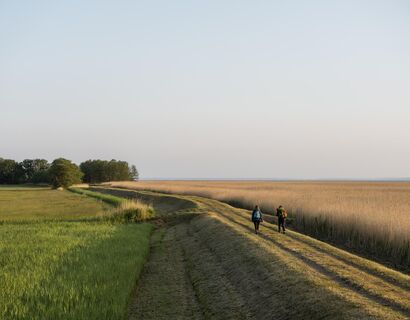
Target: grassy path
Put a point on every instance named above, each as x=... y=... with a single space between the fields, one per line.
x=165 y=290
x=213 y=266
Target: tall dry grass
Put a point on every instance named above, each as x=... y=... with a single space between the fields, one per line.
x=130 y=210
x=373 y=217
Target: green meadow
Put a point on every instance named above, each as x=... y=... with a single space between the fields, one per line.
x=57 y=262
x=27 y=203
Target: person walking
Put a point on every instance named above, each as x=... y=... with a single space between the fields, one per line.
x=282 y=215
x=256 y=218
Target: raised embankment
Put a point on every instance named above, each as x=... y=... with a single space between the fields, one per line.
x=163 y=204
x=214 y=267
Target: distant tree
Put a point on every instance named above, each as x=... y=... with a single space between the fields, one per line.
x=64 y=173
x=96 y=171
x=19 y=174
x=118 y=170
x=11 y=172
x=36 y=170
x=134 y=175
x=42 y=176
x=29 y=168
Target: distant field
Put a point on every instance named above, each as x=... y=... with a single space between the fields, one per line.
x=4 y=187
x=24 y=203
x=56 y=265
x=372 y=217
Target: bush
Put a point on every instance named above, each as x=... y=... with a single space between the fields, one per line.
x=131 y=211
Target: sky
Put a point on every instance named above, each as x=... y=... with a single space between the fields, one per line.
x=210 y=89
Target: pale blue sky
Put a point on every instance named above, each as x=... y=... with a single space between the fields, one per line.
x=211 y=89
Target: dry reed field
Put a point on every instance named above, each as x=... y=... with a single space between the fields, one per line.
x=372 y=217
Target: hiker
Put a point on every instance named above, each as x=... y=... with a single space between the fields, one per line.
x=257 y=218
x=282 y=215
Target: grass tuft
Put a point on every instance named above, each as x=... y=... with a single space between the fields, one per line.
x=130 y=211
x=125 y=210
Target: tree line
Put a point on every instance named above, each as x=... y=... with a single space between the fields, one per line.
x=63 y=173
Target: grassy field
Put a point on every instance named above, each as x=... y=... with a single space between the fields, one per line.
x=57 y=262
x=42 y=203
x=5 y=187
x=370 y=217
x=70 y=270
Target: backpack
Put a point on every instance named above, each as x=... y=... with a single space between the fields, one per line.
x=256 y=215
x=281 y=213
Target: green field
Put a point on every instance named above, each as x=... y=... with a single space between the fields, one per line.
x=4 y=187
x=65 y=268
x=43 y=203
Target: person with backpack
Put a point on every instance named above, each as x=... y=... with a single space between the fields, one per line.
x=256 y=218
x=282 y=215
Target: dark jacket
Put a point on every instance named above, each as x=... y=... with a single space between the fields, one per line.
x=281 y=213
x=255 y=215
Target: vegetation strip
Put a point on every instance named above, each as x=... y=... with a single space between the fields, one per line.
x=113 y=200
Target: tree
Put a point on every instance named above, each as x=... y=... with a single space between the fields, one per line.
x=35 y=170
x=96 y=171
x=64 y=173
x=42 y=176
x=11 y=172
x=134 y=175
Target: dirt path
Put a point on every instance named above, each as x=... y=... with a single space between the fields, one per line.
x=213 y=266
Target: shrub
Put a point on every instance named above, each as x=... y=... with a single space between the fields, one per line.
x=131 y=211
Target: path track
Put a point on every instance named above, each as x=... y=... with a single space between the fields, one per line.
x=214 y=267
x=165 y=281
